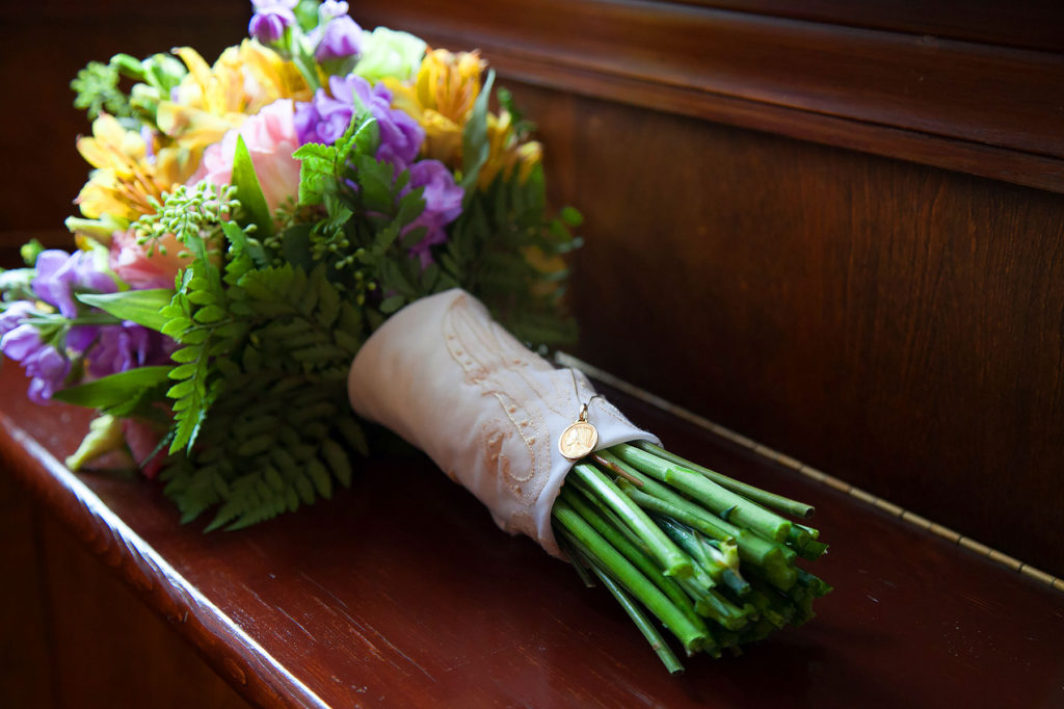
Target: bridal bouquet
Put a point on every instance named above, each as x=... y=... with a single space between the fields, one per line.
x=329 y=226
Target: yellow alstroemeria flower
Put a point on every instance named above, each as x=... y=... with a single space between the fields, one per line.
x=441 y=100
x=211 y=100
x=505 y=152
x=125 y=178
x=449 y=83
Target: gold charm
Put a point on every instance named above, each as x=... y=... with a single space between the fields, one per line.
x=579 y=438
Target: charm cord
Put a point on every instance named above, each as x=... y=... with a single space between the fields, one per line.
x=580 y=437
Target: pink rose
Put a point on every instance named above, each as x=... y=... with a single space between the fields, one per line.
x=270 y=136
x=130 y=261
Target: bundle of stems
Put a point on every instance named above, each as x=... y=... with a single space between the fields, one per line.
x=710 y=557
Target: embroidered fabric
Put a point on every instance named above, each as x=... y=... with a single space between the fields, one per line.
x=489 y=411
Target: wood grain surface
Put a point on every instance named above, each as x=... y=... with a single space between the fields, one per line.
x=893 y=322
x=897 y=325
x=990 y=110
x=77 y=636
x=402 y=592
x=772 y=242
x=1033 y=24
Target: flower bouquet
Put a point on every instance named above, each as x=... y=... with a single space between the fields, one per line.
x=329 y=226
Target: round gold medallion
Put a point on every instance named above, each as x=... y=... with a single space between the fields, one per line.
x=577 y=440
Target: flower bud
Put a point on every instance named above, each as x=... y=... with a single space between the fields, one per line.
x=271 y=19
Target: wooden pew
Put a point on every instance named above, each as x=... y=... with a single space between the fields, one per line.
x=836 y=230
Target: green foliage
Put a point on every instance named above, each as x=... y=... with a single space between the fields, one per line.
x=270 y=309
x=16 y=284
x=278 y=408
x=475 y=148
x=522 y=126
x=364 y=208
x=193 y=214
x=109 y=391
x=306 y=12
x=324 y=167
x=491 y=252
x=258 y=386
x=249 y=192
x=30 y=251
x=97 y=91
x=141 y=306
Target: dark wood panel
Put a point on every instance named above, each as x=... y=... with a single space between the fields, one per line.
x=109 y=649
x=898 y=326
x=42 y=47
x=1035 y=24
x=992 y=110
x=75 y=636
x=363 y=602
x=26 y=655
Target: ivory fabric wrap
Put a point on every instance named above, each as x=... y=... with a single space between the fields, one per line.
x=489 y=411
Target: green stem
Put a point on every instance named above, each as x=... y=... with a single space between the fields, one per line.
x=691 y=542
x=725 y=503
x=673 y=561
x=755 y=550
x=608 y=514
x=643 y=562
x=728 y=505
x=677 y=506
x=592 y=545
x=86 y=319
x=769 y=499
x=657 y=643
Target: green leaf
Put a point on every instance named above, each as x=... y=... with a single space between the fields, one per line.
x=571 y=216
x=367 y=135
x=181 y=389
x=411 y=205
x=391 y=304
x=141 y=306
x=237 y=236
x=176 y=327
x=248 y=190
x=311 y=151
x=114 y=389
x=475 y=148
x=209 y=314
x=377 y=180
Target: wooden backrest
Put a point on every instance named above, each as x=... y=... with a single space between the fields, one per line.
x=838 y=230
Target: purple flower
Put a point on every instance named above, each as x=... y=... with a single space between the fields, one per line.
x=341 y=38
x=108 y=349
x=330 y=9
x=21 y=342
x=12 y=316
x=326 y=118
x=59 y=274
x=443 y=204
x=42 y=362
x=271 y=19
x=126 y=346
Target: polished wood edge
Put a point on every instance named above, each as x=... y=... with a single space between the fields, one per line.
x=1030 y=24
x=943 y=130
x=233 y=654
x=786 y=461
